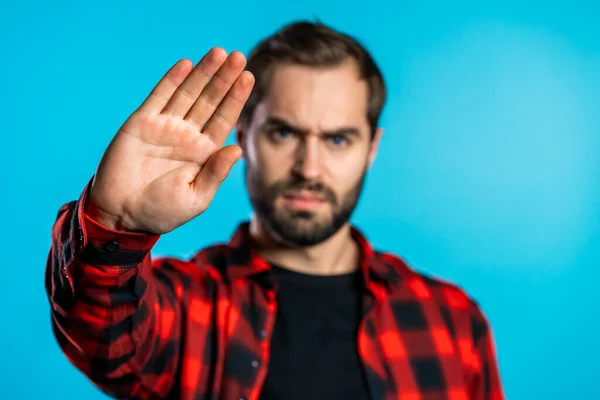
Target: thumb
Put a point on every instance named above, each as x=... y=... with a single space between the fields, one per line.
x=214 y=171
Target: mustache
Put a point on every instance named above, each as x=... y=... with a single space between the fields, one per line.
x=317 y=188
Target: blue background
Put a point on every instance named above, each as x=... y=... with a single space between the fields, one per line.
x=488 y=174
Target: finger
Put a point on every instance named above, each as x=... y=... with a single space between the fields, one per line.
x=214 y=172
x=228 y=112
x=215 y=91
x=164 y=89
x=187 y=93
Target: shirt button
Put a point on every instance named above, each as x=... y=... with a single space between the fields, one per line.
x=255 y=363
x=111 y=246
x=262 y=334
x=242 y=398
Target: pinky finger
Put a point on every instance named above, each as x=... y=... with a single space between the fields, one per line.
x=164 y=89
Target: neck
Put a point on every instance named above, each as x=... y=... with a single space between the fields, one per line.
x=337 y=255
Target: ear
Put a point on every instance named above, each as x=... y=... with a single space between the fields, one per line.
x=374 y=145
x=240 y=135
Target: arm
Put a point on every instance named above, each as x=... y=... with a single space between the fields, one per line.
x=116 y=314
x=486 y=384
x=110 y=317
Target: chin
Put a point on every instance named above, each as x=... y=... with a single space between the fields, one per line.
x=304 y=217
x=301 y=228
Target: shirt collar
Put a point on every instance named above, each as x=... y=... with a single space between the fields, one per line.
x=244 y=261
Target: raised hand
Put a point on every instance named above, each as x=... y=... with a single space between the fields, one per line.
x=166 y=162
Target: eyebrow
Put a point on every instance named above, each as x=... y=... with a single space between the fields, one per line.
x=273 y=122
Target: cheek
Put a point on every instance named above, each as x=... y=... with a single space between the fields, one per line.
x=346 y=172
x=271 y=163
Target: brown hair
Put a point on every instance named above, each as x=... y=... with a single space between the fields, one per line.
x=315 y=45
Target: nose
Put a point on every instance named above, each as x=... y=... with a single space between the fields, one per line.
x=308 y=158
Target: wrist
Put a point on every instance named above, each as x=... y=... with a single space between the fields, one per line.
x=103 y=218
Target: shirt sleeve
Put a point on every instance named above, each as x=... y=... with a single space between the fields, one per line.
x=486 y=384
x=113 y=320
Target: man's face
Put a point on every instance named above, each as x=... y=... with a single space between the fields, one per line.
x=307 y=149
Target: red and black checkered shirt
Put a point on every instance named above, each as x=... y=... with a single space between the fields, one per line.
x=201 y=328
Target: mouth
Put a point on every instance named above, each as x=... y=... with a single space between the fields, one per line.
x=304 y=200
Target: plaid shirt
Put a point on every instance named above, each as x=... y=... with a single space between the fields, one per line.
x=200 y=328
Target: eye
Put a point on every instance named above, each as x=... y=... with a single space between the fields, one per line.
x=281 y=134
x=338 y=140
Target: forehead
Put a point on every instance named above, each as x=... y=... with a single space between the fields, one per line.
x=318 y=97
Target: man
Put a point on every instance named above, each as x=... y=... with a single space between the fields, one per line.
x=298 y=305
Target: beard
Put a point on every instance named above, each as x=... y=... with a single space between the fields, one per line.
x=300 y=228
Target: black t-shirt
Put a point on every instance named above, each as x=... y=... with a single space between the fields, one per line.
x=314 y=352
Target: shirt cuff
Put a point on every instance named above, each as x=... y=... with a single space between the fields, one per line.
x=105 y=246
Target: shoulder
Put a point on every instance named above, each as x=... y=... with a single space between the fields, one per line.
x=208 y=263
x=457 y=306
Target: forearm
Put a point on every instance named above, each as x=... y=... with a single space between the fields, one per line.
x=99 y=286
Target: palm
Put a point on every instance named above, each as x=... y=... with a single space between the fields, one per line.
x=161 y=170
